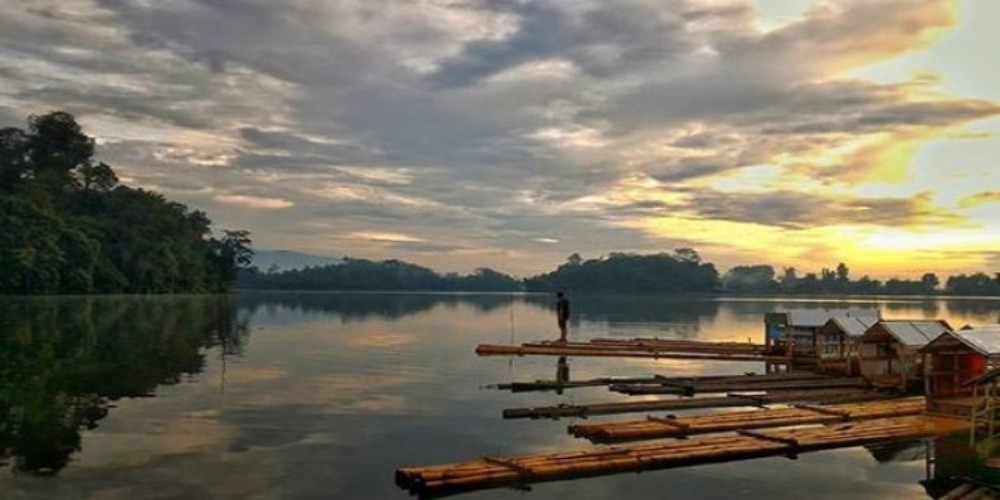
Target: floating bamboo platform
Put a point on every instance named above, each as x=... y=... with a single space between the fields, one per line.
x=580 y=349
x=548 y=385
x=730 y=400
x=762 y=383
x=972 y=491
x=657 y=344
x=676 y=427
x=494 y=472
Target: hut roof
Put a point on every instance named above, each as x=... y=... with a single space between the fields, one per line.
x=984 y=339
x=853 y=326
x=818 y=317
x=912 y=333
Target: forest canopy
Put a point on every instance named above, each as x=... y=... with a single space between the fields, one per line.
x=70 y=227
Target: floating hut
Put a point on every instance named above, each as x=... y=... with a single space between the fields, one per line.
x=837 y=343
x=794 y=331
x=890 y=355
x=954 y=360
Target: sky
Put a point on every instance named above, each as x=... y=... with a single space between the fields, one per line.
x=512 y=133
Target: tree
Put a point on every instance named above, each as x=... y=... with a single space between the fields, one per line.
x=68 y=227
x=56 y=147
x=13 y=159
x=755 y=279
x=930 y=282
x=98 y=177
x=574 y=259
x=687 y=255
x=232 y=253
x=843 y=273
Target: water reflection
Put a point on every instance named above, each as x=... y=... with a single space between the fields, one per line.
x=64 y=361
x=951 y=460
x=335 y=391
x=355 y=307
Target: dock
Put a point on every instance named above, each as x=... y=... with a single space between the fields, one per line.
x=972 y=491
x=755 y=383
x=692 y=381
x=679 y=427
x=495 y=471
x=661 y=349
x=821 y=396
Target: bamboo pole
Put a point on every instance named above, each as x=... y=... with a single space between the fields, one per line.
x=558 y=350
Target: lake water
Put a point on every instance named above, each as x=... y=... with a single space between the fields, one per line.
x=324 y=395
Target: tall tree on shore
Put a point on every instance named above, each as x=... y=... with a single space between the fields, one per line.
x=69 y=227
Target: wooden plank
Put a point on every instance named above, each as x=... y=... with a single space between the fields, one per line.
x=480 y=474
x=730 y=400
x=556 y=350
x=654 y=428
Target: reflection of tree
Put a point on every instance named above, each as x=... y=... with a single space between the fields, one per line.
x=62 y=361
x=898 y=451
x=980 y=307
x=683 y=313
x=361 y=306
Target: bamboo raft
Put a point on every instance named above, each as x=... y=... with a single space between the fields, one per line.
x=548 y=385
x=494 y=472
x=678 y=427
x=658 y=344
x=580 y=349
x=740 y=384
x=971 y=491
x=827 y=396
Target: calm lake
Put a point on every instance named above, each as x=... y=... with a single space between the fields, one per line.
x=262 y=396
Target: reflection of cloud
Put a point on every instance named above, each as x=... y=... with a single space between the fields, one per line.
x=383 y=340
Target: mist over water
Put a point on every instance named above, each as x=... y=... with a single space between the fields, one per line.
x=324 y=395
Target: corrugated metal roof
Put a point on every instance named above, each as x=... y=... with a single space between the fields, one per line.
x=855 y=326
x=819 y=317
x=985 y=339
x=914 y=333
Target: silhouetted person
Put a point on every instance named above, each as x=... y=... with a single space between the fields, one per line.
x=562 y=314
x=562 y=374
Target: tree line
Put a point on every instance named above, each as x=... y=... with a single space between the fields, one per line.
x=70 y=227
x=682 y=271
x=763 y=278
x=363 y=274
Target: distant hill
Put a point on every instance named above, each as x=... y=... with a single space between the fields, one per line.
x=288 y=260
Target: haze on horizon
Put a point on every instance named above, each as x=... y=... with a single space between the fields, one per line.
x=512 y=133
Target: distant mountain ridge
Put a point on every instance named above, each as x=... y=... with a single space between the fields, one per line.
x=287 y=260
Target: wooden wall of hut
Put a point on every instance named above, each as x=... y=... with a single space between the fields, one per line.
x=889 y=364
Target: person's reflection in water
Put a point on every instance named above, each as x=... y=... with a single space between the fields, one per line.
x=562 y=374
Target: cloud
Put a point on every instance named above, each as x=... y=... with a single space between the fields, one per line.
x=254 y=202
x=800 y=210
x=494 y=128
x=980 y=199
x=389 y=237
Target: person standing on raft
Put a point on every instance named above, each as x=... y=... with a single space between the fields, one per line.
x=562 y=314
